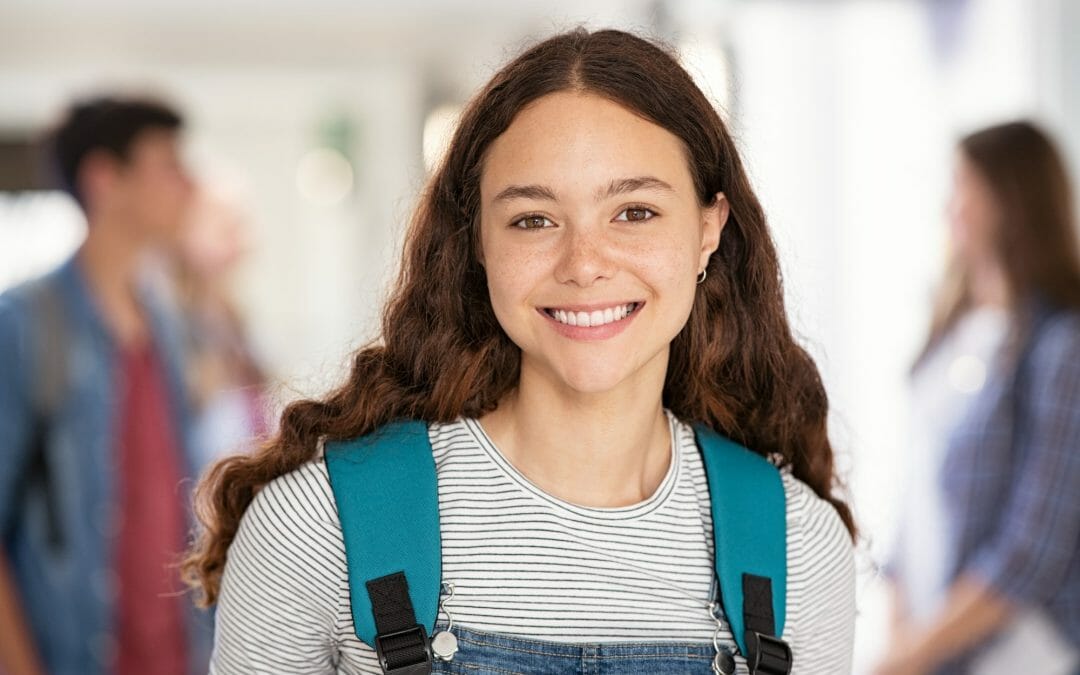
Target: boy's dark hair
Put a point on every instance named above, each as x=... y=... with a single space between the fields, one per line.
x=106 y=123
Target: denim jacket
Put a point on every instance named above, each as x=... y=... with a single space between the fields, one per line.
x=68 y=592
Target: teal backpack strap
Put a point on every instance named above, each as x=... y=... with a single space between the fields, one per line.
x=750 y=539
x=388 y=502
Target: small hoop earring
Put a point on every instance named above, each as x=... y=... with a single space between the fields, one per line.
x=701 y=277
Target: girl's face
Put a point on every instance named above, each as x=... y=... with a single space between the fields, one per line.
x=592 y=236
x=215 y=236
x=973 y=213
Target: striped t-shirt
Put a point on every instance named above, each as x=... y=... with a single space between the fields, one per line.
x=524 y=563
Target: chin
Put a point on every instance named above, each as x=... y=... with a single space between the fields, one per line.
x=593 y=368
x=593 y=378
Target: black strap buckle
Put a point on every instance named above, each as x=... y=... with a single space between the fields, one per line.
x=768 y=655
x=406 y=652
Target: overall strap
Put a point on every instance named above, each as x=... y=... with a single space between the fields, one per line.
x=387 y=499
x=750 y=539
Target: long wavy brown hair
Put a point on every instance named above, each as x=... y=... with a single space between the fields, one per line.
x=735 y=366
x=1033 y=238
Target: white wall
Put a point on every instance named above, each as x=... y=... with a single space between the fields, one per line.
x=314 y=280
x=848 y=113
x=256 y=81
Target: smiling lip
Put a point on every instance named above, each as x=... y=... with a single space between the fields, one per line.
x=577 y=321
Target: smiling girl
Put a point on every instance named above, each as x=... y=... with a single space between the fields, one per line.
x=587 y=275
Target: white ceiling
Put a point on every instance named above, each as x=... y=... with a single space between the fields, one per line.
x=289 y=32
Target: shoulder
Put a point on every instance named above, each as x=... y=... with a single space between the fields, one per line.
x=284 y=592
x=821 y=580
x=1051 y=369
x=18 y=306
x=27 y=291
x=1058 y=340
x=814 y=526
x=16 y=338
x=291 y=532
x=299 y=498
x=288 y=549
x=821 y=555
x=14 y=311
x=11 y=324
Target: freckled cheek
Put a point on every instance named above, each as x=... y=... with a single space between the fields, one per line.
x=670 y=275
x=664 y=266
x=512 y=276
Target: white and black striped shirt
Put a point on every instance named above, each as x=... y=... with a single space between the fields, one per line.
x=524 y=563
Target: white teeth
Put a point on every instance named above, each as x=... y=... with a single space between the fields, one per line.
x=599 y=317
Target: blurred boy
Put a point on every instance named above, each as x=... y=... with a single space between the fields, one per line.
x=93 y=420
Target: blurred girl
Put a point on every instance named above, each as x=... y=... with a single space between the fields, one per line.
x=227 y=382
x=987 y=571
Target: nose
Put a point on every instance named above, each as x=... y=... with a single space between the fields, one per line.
x=584 y=258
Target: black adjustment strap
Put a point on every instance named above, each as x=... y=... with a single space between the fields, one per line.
x=767 y=653
x=401 y=643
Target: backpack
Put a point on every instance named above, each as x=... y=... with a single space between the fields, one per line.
x=49 y=382
x=386 y=492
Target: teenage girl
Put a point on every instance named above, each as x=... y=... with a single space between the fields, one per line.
x=586 y=275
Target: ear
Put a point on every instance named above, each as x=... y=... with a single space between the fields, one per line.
x=97 y=176
x=713 y=219
x=478 y=250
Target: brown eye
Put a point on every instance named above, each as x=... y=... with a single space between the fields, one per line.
x=532 y=223
x=636 y=214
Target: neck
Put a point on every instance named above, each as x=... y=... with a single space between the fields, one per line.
x=990 y=286
x=109 y=260
x=602 y=450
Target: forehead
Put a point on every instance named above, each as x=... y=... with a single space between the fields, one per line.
x=575 y=142
x=966 y=172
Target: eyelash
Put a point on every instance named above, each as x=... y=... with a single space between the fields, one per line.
x=637 y=207
x=633 y=207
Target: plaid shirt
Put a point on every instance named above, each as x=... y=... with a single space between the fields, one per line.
x=1012 y=478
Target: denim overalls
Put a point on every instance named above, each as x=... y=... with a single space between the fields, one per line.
x=482 y=653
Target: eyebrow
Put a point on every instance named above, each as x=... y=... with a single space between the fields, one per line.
x=615 y=187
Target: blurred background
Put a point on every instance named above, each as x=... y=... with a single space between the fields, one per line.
x=316 y=123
